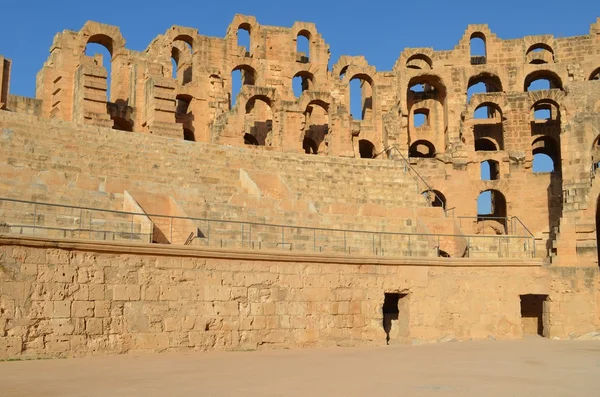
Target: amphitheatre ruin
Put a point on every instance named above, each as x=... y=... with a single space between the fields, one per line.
x=146 y=206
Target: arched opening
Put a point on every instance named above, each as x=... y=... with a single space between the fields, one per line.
x=366 y=149
x=545 y=111
x=421 y=118
x=487 y=127
x=488 y=111
x=420 y=62
x=316 y=127
x=478 y=49
x=243 y=38
x=188 y=135
x=181 y=59
x=483 y=83
x=542 y=80
x=361 y=98
x=301 y=82
x=546 y=155
x=99 y=47
x=539 y=53
x=240 y=76
x=426 y=104
x=490 y=170
x=435 y=198
x=422 y=148
x=303 y=46
x=595 y=75
x=491 y=210
x=485 y=145
x=258 y=120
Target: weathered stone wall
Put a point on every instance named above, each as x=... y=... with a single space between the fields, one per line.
x=78 y=298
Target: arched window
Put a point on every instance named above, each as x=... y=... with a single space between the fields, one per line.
x=540 y=53
x=258 y=120
x=421 y=148
x=491 y=207
x=489 y=111
x=483 y=83
x=490 y=170
x=478 y=49
x=542 y=80
x=241 y=75
x=361 y=98
x=435 y=198
x=303 y=46
x=419 y=61
x=301 y=82
x=99 y=47
x=366 y=149
x=485 y=145
x=316 y=127
x=243 y=38
x=546 y=155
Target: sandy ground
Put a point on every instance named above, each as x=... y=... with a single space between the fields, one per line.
x=533 y=367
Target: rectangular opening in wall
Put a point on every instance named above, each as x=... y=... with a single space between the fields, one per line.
x=395 y=316
x=532 y=314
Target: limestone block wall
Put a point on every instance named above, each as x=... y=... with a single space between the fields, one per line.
x=80 y=298
x=42 y=161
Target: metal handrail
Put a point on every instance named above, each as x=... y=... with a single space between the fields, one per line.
x=245 y=222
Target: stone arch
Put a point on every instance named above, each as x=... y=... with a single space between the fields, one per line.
x=431 y=95
x=422 y=149
x=494 y=110
x=247 y=23
x=106 y=35
x=552 y=77
x=496 y=218
x=539 y=53
x=303 y=58
x=548 y=146
x=545 y=103
x=367 y=93
x=182 y=55
x=248 y=75
x=435 y=198
x=366 y=149
x=259 y=119
x=595 y=75
x=316 y=126
x=420 y=62
x=491 y=80
x=478 y=59
x=307 y=80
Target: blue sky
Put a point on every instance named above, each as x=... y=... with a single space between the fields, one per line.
x=379 y=30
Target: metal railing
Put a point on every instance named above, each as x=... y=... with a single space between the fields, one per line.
x=65 y=221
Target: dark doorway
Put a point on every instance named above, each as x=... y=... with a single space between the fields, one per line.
x=532 y=314
x=395 y=308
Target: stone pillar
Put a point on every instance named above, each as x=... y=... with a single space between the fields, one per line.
x=160 y=108
x=89 y=102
